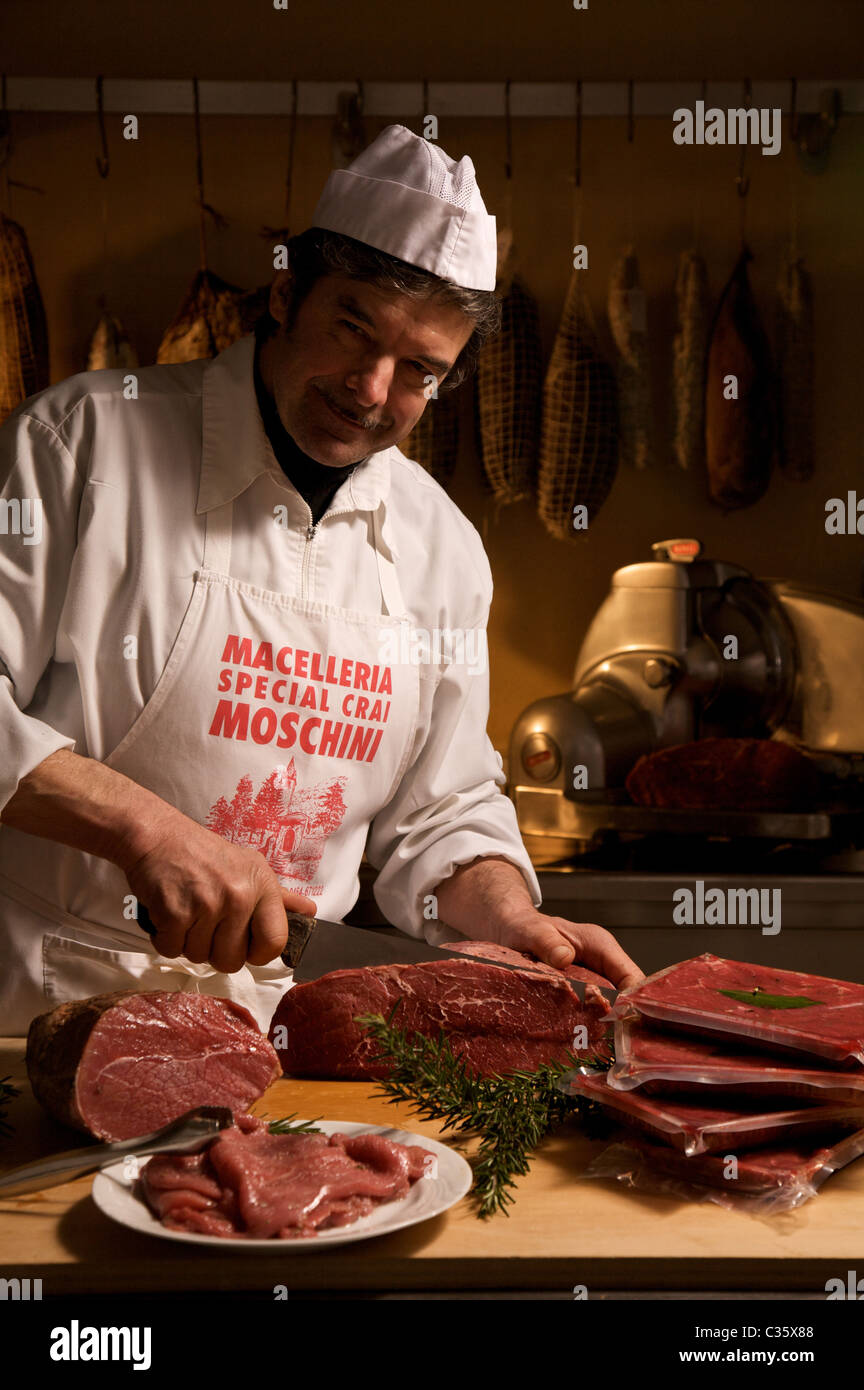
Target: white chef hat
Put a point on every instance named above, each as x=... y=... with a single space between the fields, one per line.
x=405 y=196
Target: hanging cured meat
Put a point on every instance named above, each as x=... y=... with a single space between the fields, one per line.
x=208 y=321
x=23 y=329
x=739 y=403
x=689 y=350
x=629 y=325
x=794 y=330
x=579 y=433
x=434 y=440
x=508 y=395
x=110 y=345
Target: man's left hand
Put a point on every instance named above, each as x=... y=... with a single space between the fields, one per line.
x=558 y=942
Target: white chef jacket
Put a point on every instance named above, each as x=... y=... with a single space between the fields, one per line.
x=124 y=483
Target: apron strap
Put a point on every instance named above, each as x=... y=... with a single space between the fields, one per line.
x=391 y=592
x=217 y=538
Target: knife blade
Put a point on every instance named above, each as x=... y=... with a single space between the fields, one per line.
x=336 y=946
x=316 y=947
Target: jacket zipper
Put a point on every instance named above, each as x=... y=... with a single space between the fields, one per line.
x=307 y=560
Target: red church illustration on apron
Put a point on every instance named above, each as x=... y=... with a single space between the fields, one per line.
x=289 y=824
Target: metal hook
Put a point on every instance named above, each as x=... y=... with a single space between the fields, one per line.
x=103 y=163
x=508 y=133
x=630 y=111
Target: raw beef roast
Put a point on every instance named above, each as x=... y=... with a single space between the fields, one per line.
x=497 y=1019
x=726 y=774
x=250 y=1183
x=123 y=1064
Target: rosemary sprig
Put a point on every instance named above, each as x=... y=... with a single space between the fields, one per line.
x=511 y=1113
x=7 y=1092
x=289 y=1125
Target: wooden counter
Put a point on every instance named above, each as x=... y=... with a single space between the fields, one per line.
x=562 y=1231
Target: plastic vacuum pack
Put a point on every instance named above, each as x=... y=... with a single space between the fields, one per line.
x=678 y=1064
x=694 y=1128
x=782 y=1010
x=762 y=1183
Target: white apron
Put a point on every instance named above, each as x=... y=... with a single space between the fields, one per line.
x=275 y=723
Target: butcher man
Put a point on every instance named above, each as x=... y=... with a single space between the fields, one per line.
x=246 y=640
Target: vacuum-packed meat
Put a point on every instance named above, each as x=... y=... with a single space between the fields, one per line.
x=759 y=1005
x=675 y=1064
x=123 y=1064
x=790 y=1173
x=695 y=1128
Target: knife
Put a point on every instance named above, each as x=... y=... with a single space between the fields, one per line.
x=316 y=947
x=320 y=946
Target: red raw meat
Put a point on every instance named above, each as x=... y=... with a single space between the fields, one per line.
x=690 y=996
x=253 y=1184
x=123 y=1064
x=498 y=1020
x=802 y=1167
x=726 y=774
x=696 y=1129
x=490 y=950
x=671 y=1064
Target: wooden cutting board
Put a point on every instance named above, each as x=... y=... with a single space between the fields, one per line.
x=563 y=1230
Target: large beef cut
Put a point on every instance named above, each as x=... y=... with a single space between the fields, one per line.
x=726 y=774
x=695 y=1127
x=253 y=1184
x=498 y=1020
x=673 y=1064
x=754 y=1005
x=123 y=1064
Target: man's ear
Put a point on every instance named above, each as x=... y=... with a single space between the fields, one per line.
x=280 y=295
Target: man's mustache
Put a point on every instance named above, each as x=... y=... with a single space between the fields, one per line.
x=366 y=422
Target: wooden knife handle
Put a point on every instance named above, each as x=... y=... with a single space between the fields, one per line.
x=300 y=929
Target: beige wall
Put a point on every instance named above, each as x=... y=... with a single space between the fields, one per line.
x=546 y=591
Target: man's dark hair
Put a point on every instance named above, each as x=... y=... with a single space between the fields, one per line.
x=316 y=253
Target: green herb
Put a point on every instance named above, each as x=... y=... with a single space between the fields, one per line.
x=290 y=1125
x=511 y=1114
x=7 y=1092
x=762 y=1000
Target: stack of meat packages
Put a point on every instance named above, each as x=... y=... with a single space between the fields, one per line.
x=738 y=1083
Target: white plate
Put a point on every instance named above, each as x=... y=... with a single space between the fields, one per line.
x=429 y=1196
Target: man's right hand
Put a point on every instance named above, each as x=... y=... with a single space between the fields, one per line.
x=208 y=899
x=211 y=900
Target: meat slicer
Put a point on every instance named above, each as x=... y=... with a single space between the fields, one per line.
x=682 y=648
